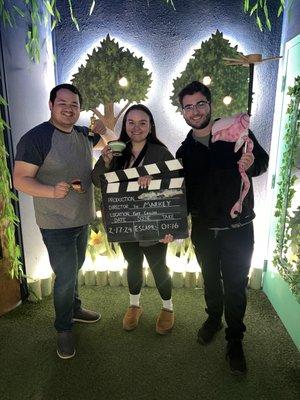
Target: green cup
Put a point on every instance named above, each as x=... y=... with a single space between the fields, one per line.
x=117 y=147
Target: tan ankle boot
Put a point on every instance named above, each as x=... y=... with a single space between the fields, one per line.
x=131 y=318
x=165 y=322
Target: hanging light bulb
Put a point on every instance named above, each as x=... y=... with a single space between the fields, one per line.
x=207 y=80
x=123 y=82
x=227 y=100
x=99 y=214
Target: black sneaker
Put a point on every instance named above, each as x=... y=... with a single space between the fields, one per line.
x=65 y=345
x=236 y=358
x=208 y=331
x=86 y=316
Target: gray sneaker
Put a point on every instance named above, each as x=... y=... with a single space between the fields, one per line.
x=86 y=316
x=65 y=345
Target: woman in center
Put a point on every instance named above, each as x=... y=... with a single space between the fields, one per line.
x=142 y=148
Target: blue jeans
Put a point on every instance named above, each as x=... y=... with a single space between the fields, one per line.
x=66 y=249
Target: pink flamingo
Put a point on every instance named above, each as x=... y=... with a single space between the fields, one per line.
x=235 y=129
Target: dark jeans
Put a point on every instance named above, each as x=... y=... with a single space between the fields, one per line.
x=156 y=257
x=225 y=259
x=66 y=249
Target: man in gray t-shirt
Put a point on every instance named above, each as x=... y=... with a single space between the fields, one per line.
x=53 y=164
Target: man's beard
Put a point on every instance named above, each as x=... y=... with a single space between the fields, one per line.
x=203 y=124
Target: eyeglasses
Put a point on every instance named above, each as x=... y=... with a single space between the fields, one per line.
x=198 y=106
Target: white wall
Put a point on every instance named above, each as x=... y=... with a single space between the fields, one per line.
x=28 y=87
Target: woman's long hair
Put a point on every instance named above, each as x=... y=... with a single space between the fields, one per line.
x=151 y=138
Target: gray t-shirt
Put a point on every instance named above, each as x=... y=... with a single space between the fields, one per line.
x=202 y=139
x=65 y=157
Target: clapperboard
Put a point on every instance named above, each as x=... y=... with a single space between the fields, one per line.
x=133 y=214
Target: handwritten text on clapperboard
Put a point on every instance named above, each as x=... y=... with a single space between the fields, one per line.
x=134 y=214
